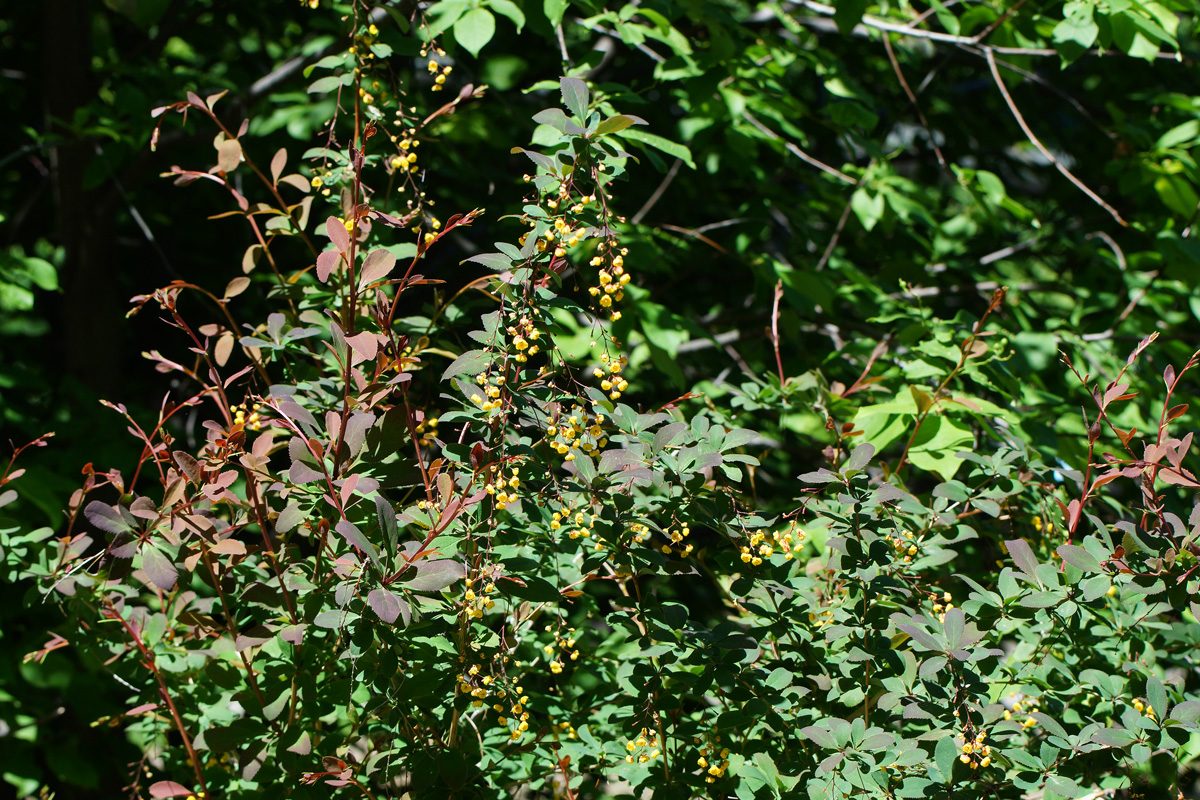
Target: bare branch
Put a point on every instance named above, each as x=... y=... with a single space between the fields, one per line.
x=796 y=151
x=991 y=59
x=658 y=193
x=912 y=98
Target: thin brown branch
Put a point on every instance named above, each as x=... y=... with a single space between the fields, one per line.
x=1012 y=106
x=658 y=193
x=912 y=98
x=796 y=151
x=837 y=233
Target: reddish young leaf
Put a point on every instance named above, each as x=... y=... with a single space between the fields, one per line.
x=326 y=262
x=169 y=788
x=338 y=233
x=278 y=162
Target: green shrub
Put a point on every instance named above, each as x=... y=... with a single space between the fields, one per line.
x=431 y=543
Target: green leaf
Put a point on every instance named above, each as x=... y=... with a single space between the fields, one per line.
x=507 y=8
x=1156 y=693
x=575 y=97
x=554 y=10
x=848 y=13
x=1177 y=194
x=867 y=207
x=329 y=83
x=1077 y=32
x=1078 y=557
x=659 y=143
x=618 y=123
x=937 y=443
x=944 y=755
x=1187 y=133
x=475 y=29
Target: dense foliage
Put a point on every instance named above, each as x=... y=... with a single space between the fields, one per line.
x=663 y=399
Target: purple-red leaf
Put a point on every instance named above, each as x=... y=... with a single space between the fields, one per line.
x=433 y=576
x=338 y=233
x=326 y=263
x=376 y=265
x=169 y=788
x=158 y=568
x=388 y=606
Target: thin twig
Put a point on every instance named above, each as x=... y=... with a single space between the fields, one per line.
x=1012 y=106
x=919 y=33
x=1133 y=302
x=1038 y=79
x=658 y=193
x=837 y=233
x=1108 y=240
x=775 y=329
x=879 y=24
x=796 y=151
x=912 y=98
x=562 y=43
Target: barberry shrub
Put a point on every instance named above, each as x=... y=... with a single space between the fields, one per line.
x=432 y=545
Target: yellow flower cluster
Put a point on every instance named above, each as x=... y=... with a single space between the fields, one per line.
x=716 y=767
x=577 y=431
x=974 y=752
x=475 y=605
x=493 y=388
x=940 y=609
x=406 y=158
x=610 y=286
x=642 y=749
x=517 y=710
x=439 y=72
x=677 y=537
x=524 y=337
x=1022 y=704
x=789 y=542
x=1143 y=708
x=904 y=546
x=251 y=421
x=318 y=182
x=610 y=373
x=427 y=429
x=561 y=643
x=500 y=487
x=563 y=728
x=561 y=235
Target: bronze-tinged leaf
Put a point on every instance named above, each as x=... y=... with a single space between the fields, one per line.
x=1177 y=411
x=278 y=162
x=1178 y=477
x=229 y=547
x=296 y=181
x=350 y=532
x=106 y=518
x=229 y=155
x=188 y=466
x=388 y=606
x=224 y=348
x=376 y=265
x=250 y=258
x=434 y=576
x=326 y=263
x=236 y=286
x=338 y=233
x=365 y=345
x=158 y=568
x=169 y=788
